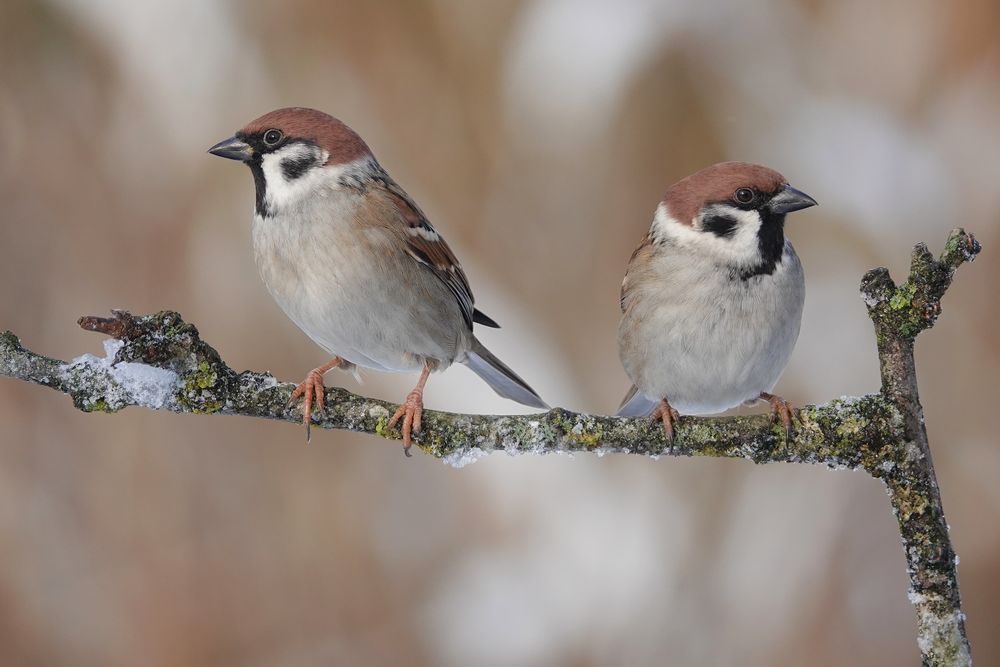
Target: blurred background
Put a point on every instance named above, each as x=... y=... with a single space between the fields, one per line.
x=538 y=136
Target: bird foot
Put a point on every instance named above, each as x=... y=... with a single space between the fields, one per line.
x=314 y=392
x=411 y=412
x=781 y=409
x=668 y=416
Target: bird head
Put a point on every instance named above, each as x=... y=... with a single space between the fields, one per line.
x=733 y=212
x=293 y=154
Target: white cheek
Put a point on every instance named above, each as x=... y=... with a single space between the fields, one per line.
x=743 y=247
x=283 y=193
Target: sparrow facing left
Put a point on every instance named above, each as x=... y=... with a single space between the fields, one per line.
x=352 y=260
x=712 y=298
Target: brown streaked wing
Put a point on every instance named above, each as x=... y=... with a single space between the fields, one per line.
x=429 y=248
x=646 y=244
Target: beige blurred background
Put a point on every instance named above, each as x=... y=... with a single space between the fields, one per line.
x=538 y=136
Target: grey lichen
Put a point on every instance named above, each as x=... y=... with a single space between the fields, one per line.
x=162 y=363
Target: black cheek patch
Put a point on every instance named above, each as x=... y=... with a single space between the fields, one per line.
x=720 y=224
x=293 y=168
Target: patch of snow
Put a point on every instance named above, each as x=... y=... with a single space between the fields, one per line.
x=147 y=385
x=140 y=384
x=463 y=457
x=870 y=299
x=111 y=347
x=268 y=382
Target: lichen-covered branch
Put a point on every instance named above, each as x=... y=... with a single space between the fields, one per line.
x=160 y=362
x=899 y=314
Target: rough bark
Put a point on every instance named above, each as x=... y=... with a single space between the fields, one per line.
x=899 y=313
x=160 y=362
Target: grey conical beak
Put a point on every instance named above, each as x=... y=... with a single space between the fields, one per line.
x=789 y=199
x=232 y=148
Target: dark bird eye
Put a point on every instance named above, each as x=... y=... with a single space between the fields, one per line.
x=272 y=137
x=743 y=195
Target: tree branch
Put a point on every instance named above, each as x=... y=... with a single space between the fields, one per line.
x=160 y=362
x=899 y=314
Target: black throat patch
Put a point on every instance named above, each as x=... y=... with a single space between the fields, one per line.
x=771 y=241
x=260 y=186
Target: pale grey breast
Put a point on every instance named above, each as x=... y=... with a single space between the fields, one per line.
x=338 y=277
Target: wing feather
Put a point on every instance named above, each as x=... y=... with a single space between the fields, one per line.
x=644 y=247
x=429 y=248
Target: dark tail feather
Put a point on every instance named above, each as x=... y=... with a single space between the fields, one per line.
x=479 y=317
x=501 y=378
x=635 y=404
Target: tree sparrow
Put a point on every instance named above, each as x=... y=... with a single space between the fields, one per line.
x=712 y=297
x=355 y=264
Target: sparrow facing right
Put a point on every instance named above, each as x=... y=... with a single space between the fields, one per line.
x=712 y=297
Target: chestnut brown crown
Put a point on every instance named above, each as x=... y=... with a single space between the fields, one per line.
x=303 y=124
x=718 y=184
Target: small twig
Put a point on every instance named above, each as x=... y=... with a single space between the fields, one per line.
x=121 y=325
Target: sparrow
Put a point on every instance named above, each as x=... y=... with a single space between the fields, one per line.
x=355 y=264
x=712 y=297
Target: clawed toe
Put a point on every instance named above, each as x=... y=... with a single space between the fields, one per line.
x=781 y=409
x=314 y=393
x=666 y=414
x=411 y=412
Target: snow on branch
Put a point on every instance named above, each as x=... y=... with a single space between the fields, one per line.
x=160 y=362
